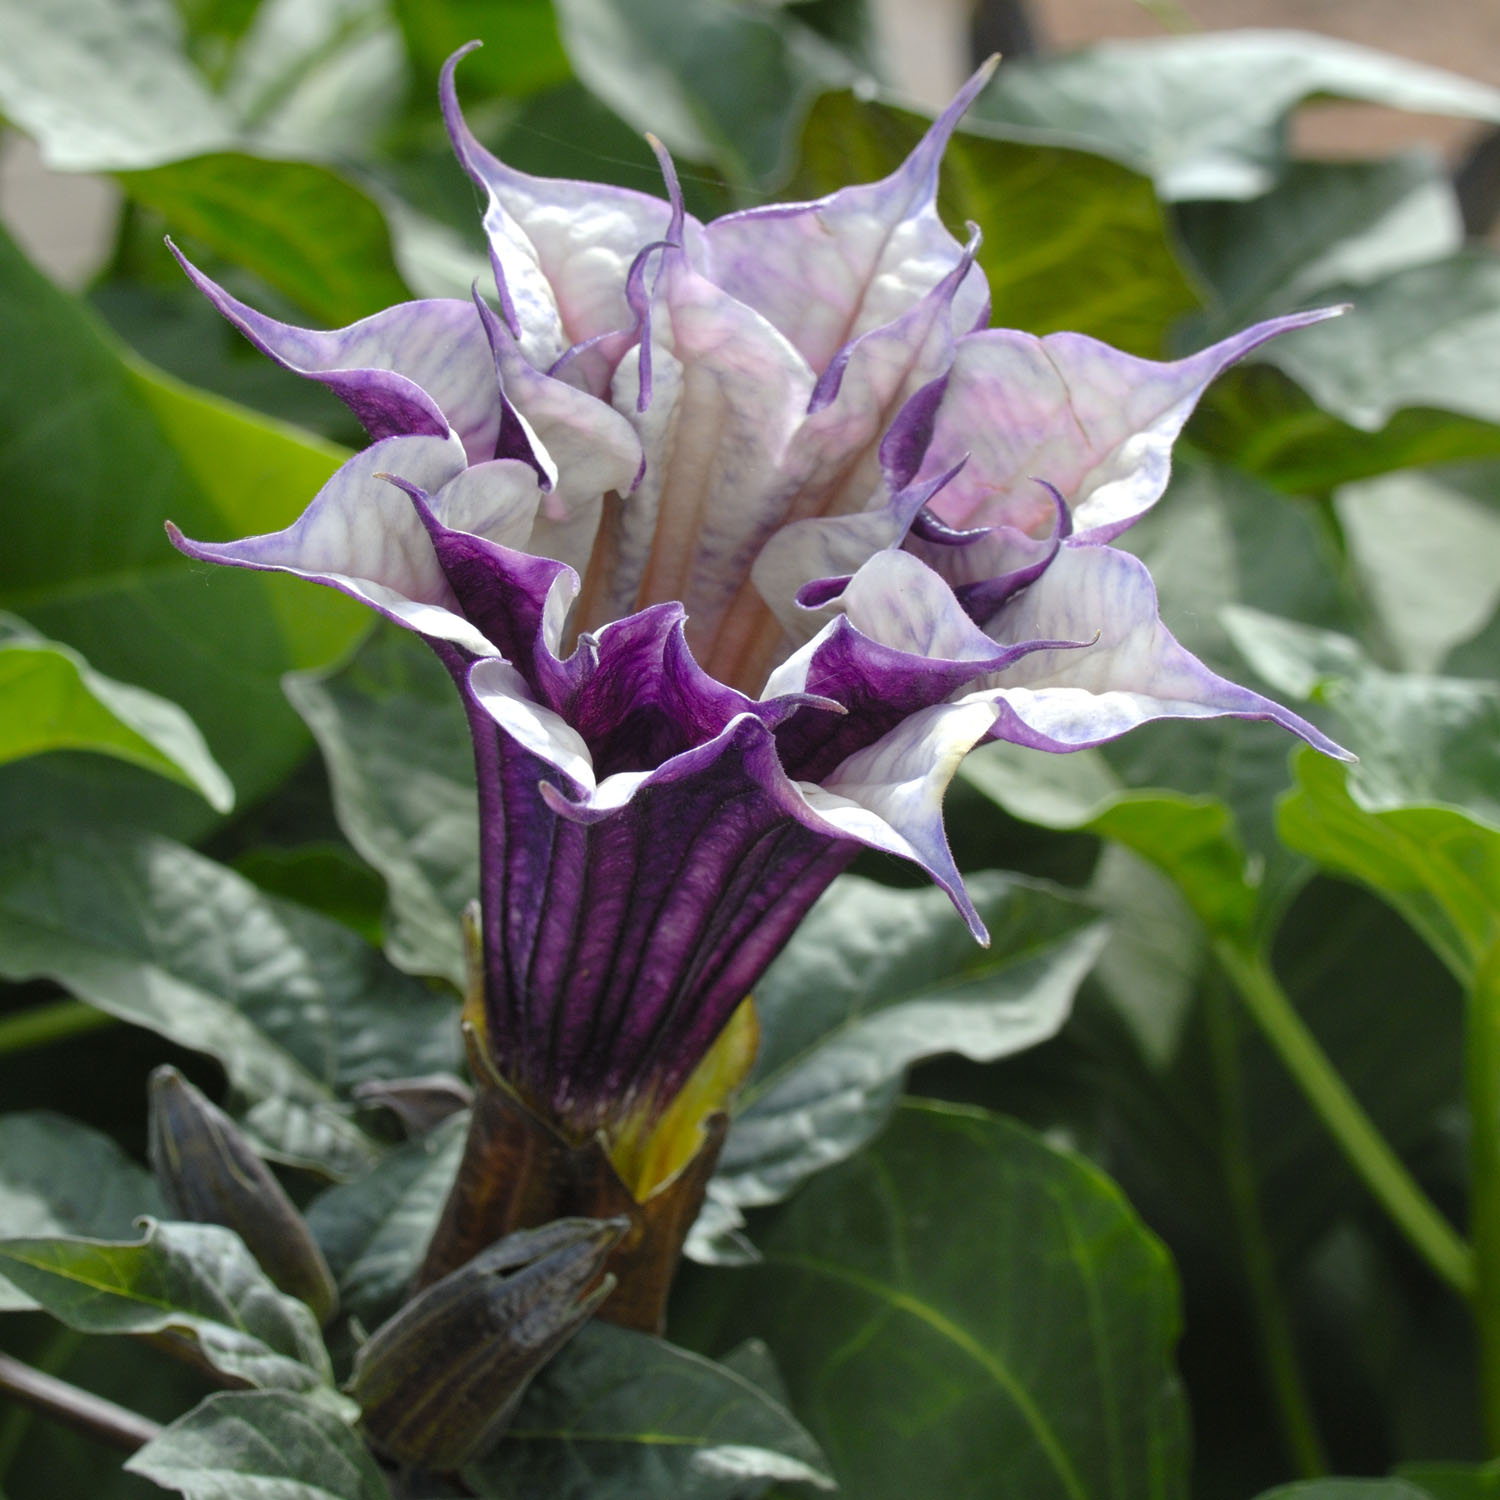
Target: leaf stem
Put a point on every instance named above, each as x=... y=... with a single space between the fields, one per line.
x=81 y=1410
x=1482 y=1064
x=40 y=1025
x=1366 y=1150
x=1273 y=1324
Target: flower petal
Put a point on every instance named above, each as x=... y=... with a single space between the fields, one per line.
x=1134 y=672
x=562 y=249
x=827 y=271
x=419 y=368
x=1096 y=423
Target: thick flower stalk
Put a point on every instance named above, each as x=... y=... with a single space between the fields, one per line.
x=735 y=537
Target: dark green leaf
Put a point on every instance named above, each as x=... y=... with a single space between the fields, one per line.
x=720 y=82
x=295 y=1007
x=393 y=735
x=58 y=1177
x=324 y=876
x=265 y=1444
x=1322 y=224
x=197 y=1280
x=1455 y=1481
x=621 y=1416
x=875 y=980
x=965 y=1311
x=51 y=699
x=103 y=453
x=374 y=1230
x=1070 y=240
x=1203 y=114
x=1260 y=421
x=522 y=53
x=1347 y=1489
x=308 y=230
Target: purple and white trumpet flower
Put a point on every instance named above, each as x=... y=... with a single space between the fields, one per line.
x=736 y=537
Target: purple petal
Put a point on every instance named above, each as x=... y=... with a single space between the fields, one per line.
x=1134 y=672
x=562 y=248
x=1096 y=423
x=827 y=271
x=419 y=368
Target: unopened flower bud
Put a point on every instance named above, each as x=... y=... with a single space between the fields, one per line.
x=440 y=1382
x=209 y=1173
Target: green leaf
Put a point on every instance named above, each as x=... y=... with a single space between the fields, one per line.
x=873 y=981
x=327 y=877
x=522 y=54
x=1347 y=1489
x=307 y=230
x=102 y=86
x=103 y=452
x=1435 y=865
x=721 y=82
x=393 y=736
x=963 y=1310
x=1194 y=840
x=295 y=1007
x=374 y=1230
x=622 y=1416
x=1427 y=336
x=1070 y=240
x=51 y=699
x=1324 y=223
x=1204 y=114
x=1259 y=420
x=59 y=1177
x=265 y=1444
x=197 y=1280
x=1454 y=1481
x=1423 y=548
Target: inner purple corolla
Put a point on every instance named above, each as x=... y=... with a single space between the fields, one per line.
x=735 y=537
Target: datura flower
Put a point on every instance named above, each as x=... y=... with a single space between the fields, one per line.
x=736 y=537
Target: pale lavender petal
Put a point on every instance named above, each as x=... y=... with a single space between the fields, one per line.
x=419 y=368
x=563 y=248
x=827 y=271
x=361 y=535
x=1133 y=672
x=585 y=449
x=1096 y=423
x=727 y=392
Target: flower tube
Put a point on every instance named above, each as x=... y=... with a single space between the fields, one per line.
x=735 y=537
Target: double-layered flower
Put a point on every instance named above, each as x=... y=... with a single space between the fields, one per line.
x=736 y=537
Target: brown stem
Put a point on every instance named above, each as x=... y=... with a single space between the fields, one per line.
x=82 y=1410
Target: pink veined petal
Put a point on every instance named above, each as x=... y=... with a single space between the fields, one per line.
x=1133 y=672
x=418 y=368
x=1096 y=423
x=827 y=271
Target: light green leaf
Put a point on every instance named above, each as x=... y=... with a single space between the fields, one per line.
x=1070 y=240
x=103 y=452
x=1018 y=1349
x=262 y=1444
x=102 y=85
x=393 y=736
x=1441 y=1481
x=1322 y=224
x=876 y=979
x=1425 y=551
x=374 y=1230
x=621 y=1416
x=295 y=1007
x=720 y=82
x=1428 y=336
x=1203 y=114
x=197 y=1280
x=59 y=1177
x=51 y=699
x=1347 y=1489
